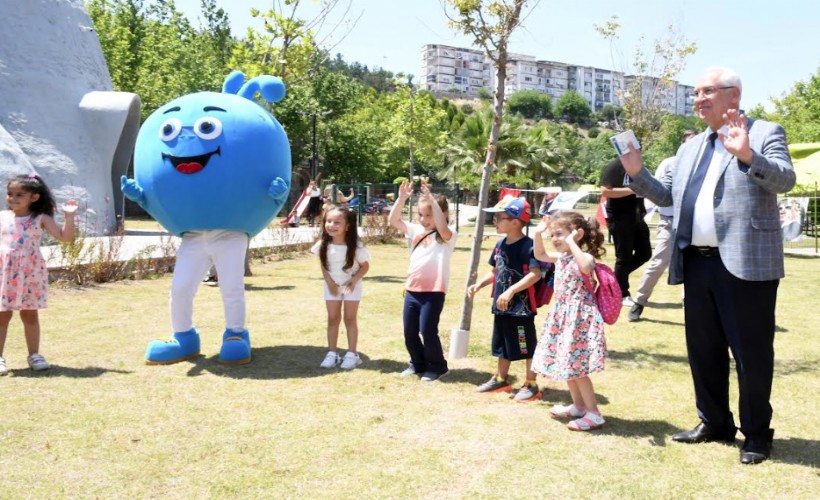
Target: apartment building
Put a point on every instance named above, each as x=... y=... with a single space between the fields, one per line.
x=553 y=78
x=672 y=97
x=455 y=70
x=600 y=87
x=447 y=69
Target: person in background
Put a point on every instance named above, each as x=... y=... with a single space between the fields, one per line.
x=624 y=216
x=314 y=207
x=342 y=200
x=663 y=246
x=728 y=253
x=546 y=201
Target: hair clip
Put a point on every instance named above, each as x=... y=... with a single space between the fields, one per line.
x=32 y=176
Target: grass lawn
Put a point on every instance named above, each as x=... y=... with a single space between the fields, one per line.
x=103 y=424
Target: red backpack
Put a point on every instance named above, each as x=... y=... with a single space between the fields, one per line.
x=541 y=292
x=608 y=294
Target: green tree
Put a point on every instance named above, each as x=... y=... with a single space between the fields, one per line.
x=120 y=25
x=591 y=157
x=491 y=23
x=530 y=104
x=668 y=138
x=414 y=128
x=353 y=151
x=799 y=111
x=484 y=94
x=543 y=159
x=646 y=96
x=466 y=151
x=610 y=113
x=152 y=50
x=572 y=107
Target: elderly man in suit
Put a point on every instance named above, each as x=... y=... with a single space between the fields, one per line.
x=728 y=253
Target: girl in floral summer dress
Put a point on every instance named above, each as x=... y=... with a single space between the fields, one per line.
x=572 y=344
x=23 y=273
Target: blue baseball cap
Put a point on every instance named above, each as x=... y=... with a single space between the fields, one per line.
x=517 y=208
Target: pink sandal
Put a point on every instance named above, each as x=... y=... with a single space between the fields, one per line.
x=588 y=422
x=571 y=411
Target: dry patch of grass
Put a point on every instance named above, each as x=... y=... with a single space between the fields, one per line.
x=103 y=424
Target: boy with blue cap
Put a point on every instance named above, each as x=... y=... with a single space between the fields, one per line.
x=515 y=270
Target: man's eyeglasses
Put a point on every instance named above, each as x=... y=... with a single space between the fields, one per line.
x=502 y=217
x=710 y=91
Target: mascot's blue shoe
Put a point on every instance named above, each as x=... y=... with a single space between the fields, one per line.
x=236 y=348
x=184 y=345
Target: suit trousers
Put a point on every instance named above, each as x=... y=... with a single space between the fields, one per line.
x=632 y=246
x=226 y=250
x=658 y=262
x=725 y=313
x=422 y=311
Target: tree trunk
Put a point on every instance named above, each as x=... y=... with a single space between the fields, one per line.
x=486 y=177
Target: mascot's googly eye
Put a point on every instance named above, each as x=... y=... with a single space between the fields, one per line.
x=208 y=128
x=170 y=129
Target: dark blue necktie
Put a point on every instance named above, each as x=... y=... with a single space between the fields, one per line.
x=690 y=196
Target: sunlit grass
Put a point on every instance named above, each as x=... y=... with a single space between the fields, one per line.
x=103 y=424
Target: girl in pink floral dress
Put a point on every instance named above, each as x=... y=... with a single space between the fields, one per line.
x=572 y=344
x=23 y=274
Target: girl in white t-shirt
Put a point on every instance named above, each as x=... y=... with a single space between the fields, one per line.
x=431 y=244
x=344 y=262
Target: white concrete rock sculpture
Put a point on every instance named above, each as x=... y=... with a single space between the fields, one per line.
x=58 y=114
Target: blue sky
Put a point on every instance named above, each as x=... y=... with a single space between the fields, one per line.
x=770 y=48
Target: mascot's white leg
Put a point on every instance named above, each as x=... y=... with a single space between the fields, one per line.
x=192 y=263
x=228 y=250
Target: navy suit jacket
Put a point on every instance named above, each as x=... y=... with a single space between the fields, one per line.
x=747 y=219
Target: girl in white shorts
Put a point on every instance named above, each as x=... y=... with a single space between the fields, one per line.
x=344 y=262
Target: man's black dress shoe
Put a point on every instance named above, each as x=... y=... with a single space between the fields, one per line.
x=756 y=449
x=704 y=434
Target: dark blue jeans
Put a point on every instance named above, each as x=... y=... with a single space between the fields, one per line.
x=421 y=315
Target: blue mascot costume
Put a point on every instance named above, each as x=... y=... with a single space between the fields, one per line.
x=213 y=169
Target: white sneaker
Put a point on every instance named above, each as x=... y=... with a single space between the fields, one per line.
x=351 y=361
x=4 y=369
x=331 y=360
x=628 y=302
x=38 y=363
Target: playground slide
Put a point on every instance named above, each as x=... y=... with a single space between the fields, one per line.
x=298 y=209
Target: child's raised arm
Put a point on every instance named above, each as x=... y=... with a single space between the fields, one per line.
x=405 y=191
x=539 y=252
x=66 y=233
x=438 y=216
x=584 y=260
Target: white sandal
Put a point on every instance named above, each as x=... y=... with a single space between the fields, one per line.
x=561 y=411
x=588 y=422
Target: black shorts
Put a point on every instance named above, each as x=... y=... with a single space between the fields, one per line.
x=514 y=337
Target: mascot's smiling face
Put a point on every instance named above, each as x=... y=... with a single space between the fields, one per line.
x=206 y=160
x=207 y=128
